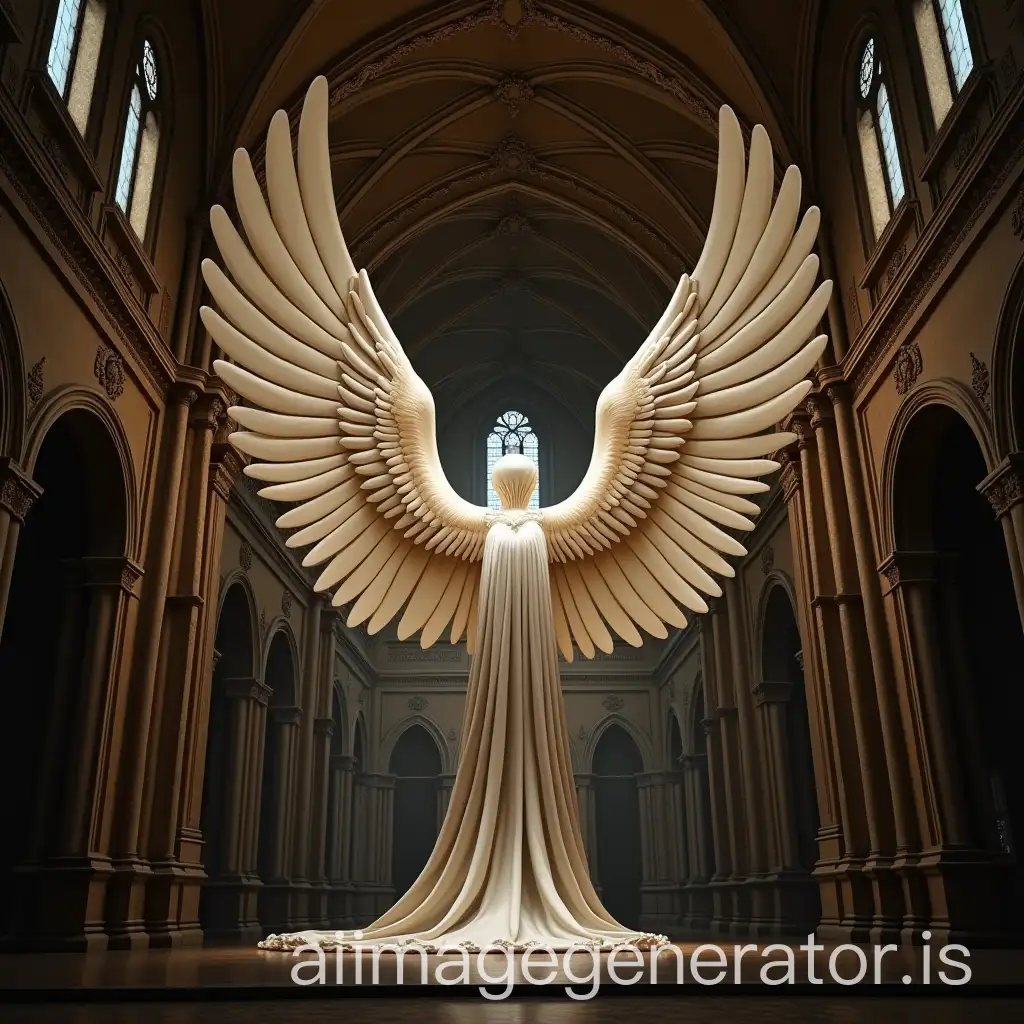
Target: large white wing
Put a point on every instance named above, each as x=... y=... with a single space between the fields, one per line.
x=343 y=423
x=682 y=432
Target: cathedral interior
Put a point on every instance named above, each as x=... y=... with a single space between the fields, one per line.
x=197 y=750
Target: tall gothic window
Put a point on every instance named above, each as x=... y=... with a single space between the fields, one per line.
x=511 y=434
x=876 y=131
x=945 y=51
x=141 y=143
x=74 y=55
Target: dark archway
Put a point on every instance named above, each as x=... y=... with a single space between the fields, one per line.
x=225 y=760
x=968 y=610
x=57 y=654
x=617 y=762
x=273 y=855
x=416 y=762
x=782 y=664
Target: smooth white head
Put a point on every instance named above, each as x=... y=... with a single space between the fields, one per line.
x=514 y=478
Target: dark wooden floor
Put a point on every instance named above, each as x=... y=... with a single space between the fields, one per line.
x=234 y=985
x=753 y=1009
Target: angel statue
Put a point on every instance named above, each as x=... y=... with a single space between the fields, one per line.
x=338 y=421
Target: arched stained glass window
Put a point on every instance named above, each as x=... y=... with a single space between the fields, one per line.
x=876 y=130
x=945 y=51
x=141 y=143
x=511 y=433
x=74 y=55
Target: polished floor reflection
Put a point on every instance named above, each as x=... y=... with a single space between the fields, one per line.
x=700 y=1010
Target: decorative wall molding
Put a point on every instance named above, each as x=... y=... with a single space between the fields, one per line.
x=417 y=703
x=767 y=559
x=108 y=369
x=981 y=381
x=907 y=367
x=25 y=175
x=999 y=156
x=245 y=556
x=613 y=702
x=35 y=382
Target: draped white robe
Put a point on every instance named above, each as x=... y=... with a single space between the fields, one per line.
x=509 y=867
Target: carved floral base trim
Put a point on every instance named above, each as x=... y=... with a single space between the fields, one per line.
x=324 y=940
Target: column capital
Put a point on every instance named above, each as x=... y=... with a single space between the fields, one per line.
x=108 y=571
x=772 y=692
x=185 y=392
x=323 y=726
x=791 y=477
x=903 y=567
x=18 y=491
x=343 y=762
x=1004 y=487
x=247 y=688
x=726 y=713
x=710 y=725
x=225 y=467
x=819 y=409
x=693 y=760
x=583 y=779
x=286 y=716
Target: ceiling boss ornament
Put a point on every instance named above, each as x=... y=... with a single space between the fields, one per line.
x=339 y=426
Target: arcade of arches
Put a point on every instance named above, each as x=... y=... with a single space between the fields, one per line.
x=195 y=745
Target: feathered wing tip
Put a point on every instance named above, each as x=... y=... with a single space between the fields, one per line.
x=644 y=537
x=334 y=407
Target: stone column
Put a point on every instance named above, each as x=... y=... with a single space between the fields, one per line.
x=1004 y=489
x=876 y=732
x=961 y=885
x=700 y=855
x=322 y=807
x=70 y=882
x=339 y=906
x=126 y=894
x=387 y=838
x=895 y=787
x=18 y=493
x=800 y=489
x=225 y=467
x=585 y=801
x=230 y=890
x=751 y=764
x=178 y=680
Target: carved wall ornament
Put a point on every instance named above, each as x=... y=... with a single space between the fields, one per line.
x=11 y=75
x=582 y=734
x=1017 y=216
x=245 y=556
x=513 y=154
x=263 y=623
x=17 y=495
x=512 y=15
x=985 y=185
x=853 y=302
x=613 y=702
x=417 y=703
x=452 y=735
x=286 y=603
x=965 y=145
x=109 y=371
x=52 y=149
x=130 y=575
x=513 y=224
x=981 y=381
x=513 y=92
x=1007 y=69
x=165 y=312
x=908 y=366
x=896 y=260
x=891 y=572
x=34 y=381
x=1006 y=489
x=124 y=264
x=767 y=559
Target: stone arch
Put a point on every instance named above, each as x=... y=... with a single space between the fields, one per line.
x=673 y=740
x=70 y=591
x=279 y=631
x=1008 y=368
x=615 y=719
x=960 y=628
x=616 y=763
x=14 y=399
x=395 y=733
x=942 y=393
x=236 y=662
x=782 y=698
x=416 y=760
x=72 y=401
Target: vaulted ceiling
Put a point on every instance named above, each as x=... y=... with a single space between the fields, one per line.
x=524 y=179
